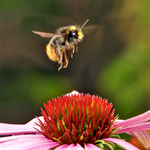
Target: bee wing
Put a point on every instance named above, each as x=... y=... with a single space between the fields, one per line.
x=90 y=29
x=44 y=34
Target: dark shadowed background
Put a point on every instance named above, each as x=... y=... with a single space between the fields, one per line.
x=113 y=60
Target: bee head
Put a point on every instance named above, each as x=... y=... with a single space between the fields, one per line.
x=75 y=33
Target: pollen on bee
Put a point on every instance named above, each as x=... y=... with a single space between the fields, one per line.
x=51 y=53
x=71 y=28
x=80 y=35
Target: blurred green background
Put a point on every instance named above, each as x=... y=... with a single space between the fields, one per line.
x=113 y=60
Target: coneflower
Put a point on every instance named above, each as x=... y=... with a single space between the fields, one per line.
x=73 y=122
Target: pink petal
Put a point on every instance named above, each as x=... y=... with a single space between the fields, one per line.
x=135 y=120
x=69 y=147
x=137 y=127
x=73 y=93
x=27 y=142
x=35 y=120
x=91 y=147
x=118 y=121
x=62 y=147
x=122 y=143
x=78 y=147
x=74 y=147
x=14 y=129
x=143 y=137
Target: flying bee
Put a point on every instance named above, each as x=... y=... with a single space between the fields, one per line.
x=65 y=40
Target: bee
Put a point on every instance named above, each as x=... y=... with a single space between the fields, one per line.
x=65 y=40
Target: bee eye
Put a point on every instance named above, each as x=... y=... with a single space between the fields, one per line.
x=72 y=35
x=75 y=34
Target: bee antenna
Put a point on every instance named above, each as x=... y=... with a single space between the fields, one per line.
x=84 y=24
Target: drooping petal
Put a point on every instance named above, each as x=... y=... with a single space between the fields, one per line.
x=62 y=147
x=14 y=129
x=137 y=127
x=136 y=143
x=91 y=147
x=143 y=137
x=27 y=142
x=35 y=120
x=74 y=147
x=70 y=147
x=135 y=120
x=122 y=143
x=78 y=147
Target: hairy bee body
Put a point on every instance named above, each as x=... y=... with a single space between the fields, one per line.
x=64 y=41
x=55 y=48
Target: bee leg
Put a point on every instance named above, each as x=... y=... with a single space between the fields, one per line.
x=73 y=49
x=66 y=60
x=61 y=64
x=59 y=58
x=76 y=49
x=72 y=52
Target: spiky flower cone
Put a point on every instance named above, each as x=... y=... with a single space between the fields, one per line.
x=77 y=119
